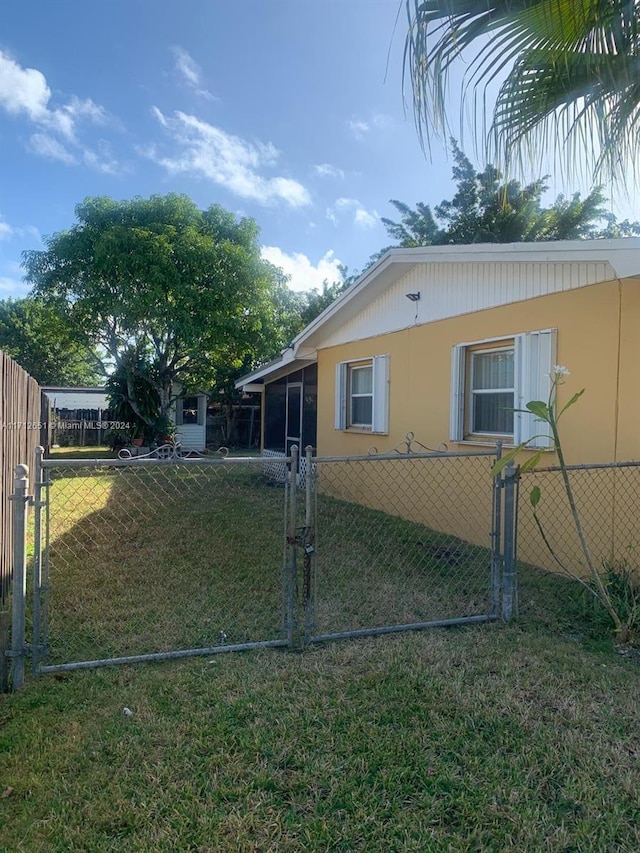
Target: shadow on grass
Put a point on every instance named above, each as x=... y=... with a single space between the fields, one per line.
x=146 y=560
x=376 y=569
x=152 y=560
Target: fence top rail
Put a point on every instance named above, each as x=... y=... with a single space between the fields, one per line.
x=135 y=462
x=595 y=466
x=377 y=457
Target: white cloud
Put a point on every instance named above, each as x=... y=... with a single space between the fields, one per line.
x=227 y=160
x=360 y=128
x=353 y=208
x=102 y=159
x=48 y=146
x=190 y=72
x=326 y=170
x=88 y=109
x=12 y=287
x=25 y=92
x=303 y=275
x=6 y=230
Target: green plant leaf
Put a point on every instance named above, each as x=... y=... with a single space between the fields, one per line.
x=573 y=400
x=540 y=409
x=531 y=463
x=502 y=463
x=535 y=496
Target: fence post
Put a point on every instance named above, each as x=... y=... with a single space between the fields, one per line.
x=21 y=501
x=37 y=561
x=292 y=568
x=496 y=530
x=309 y=544
x=509 y=574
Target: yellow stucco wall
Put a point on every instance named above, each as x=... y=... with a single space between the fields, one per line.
x=588 y=323
x=598 y=339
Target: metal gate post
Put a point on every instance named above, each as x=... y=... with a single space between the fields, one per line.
x=496 y=530
x=509 y=574
x=309 y=545
x=37 y=561
x=21 y=501
x=292 y=568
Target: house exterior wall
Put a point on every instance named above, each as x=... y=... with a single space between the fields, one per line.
x=453 y=289
x=598 y=339
x=193 y=436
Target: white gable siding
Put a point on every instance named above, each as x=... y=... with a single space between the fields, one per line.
x=451 y=289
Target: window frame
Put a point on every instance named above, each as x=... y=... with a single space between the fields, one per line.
x=470 y=432
x=379 y=395
x=200 y=410
x=354 y=367
x=534 y=357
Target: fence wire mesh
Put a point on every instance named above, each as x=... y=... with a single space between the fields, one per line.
x=402 y=540
x=607 y=498
x=148 y=558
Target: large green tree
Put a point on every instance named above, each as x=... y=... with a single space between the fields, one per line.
x=566 y=73
x=486 y=209
x=39 y=337
x=162 y=283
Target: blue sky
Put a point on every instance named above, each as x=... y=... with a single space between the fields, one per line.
x=289 y=111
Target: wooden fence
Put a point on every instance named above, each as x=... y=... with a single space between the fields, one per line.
x=21 y=425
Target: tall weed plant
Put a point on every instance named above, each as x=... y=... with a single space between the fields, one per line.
x=614 y=587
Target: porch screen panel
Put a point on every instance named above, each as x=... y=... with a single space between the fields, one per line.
x=275 y=406
x=310 y=406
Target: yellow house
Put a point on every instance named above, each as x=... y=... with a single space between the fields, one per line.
x=443 y=341
x=446 y=341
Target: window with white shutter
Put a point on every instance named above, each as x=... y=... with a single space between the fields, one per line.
x=491 y=380
x=362 y=395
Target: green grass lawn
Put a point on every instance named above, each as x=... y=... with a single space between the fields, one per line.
x=488 y=738
x=97 y=452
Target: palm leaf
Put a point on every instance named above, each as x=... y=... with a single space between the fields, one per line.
x=572 y=74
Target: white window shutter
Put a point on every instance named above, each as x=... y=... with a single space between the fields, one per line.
x=341 y=396
x=380 y=394
x=202 y=409
x=535 y=358
x=456 y=405
x=179 y=415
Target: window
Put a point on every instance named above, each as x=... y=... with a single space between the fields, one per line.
x=492 y=380
x=189 y=410
x=362 y=395
x=490 y=397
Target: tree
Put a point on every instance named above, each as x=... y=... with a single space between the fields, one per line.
x=571 y=68
x=485 y=209
x=165 y=289
x=41 y=340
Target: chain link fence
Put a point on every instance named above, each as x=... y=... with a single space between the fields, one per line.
x=147 y=557
x=403 y=540
x=607 y=499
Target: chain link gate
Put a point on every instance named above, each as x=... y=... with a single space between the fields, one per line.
x=395 y=542
x=150 y=559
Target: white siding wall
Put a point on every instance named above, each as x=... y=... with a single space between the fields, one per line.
x=451 y=289
x=193 y=436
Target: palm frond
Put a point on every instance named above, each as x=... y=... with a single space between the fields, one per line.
x=572 y=70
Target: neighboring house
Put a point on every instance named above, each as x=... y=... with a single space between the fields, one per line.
x=86 y=407
x=446 y=341
x=443 y=341
x=93 y=401
x=190 y=418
